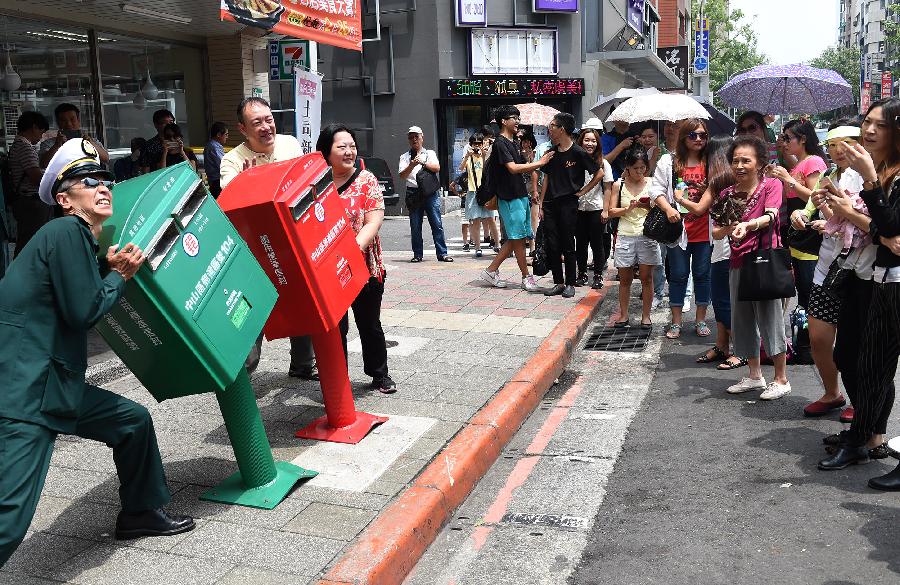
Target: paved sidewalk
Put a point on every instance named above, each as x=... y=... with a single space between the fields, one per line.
x=457 y=341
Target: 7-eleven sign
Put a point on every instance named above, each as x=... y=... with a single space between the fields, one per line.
x=283 y=55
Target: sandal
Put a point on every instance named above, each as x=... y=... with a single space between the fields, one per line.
x=674 y=331
x=647 y=326
x=717 y=355
x=727 y=365
x=701 y=329
x=621 y=324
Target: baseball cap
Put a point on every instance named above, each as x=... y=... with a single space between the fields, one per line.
x=414 y=130
x=593 y=124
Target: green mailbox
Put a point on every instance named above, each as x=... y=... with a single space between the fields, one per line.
x=190 y=315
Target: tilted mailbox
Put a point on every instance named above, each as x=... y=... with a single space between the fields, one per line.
x=295 y=223
x=190 y=315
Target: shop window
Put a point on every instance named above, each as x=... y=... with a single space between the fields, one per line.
x=175 y=83
x=513 y=51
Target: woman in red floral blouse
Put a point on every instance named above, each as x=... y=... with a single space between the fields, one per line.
x=364 y=203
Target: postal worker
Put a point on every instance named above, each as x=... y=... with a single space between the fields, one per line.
x=53 y=292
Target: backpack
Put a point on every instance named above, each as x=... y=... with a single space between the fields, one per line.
x=486 y=190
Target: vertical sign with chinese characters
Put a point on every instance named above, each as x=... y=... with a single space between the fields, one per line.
x=887 y=84
x=701 y=47
x=865 y=97
x=636 y=15
x=676 y=59
x=308 y=108
x=471 y=12
x=284 y=54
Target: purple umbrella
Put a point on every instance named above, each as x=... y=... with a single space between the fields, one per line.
x=787 y=89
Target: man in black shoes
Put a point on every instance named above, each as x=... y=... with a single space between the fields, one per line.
x=563 y=185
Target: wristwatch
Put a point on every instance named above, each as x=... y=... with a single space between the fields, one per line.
x=868 y=185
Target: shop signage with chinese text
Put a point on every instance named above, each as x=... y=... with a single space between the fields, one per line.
x=515 y=87
x=284 y=54
x=676 y=59
x=330 y=22
x=865 y=97
x=887 y=84
x=636 y=16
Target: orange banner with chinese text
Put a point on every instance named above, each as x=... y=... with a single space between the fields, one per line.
x=331 y=22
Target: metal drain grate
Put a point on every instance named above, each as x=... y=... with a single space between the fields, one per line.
x=628 y=339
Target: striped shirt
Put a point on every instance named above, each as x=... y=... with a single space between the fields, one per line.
x=23 y=155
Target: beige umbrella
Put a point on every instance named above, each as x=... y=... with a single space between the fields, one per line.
x=535 y=114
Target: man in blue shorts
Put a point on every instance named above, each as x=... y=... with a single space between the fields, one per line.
x=507 y=165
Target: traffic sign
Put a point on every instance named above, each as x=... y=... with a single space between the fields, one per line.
x=701 y=47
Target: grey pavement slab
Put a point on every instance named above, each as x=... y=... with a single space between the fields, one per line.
x=331 y=521
x=126 y=565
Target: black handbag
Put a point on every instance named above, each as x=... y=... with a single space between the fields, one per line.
x=658 y=227
x=766 y=273
x=835 y=283
x=428 y=181
x=539 y=265
x=414 y=198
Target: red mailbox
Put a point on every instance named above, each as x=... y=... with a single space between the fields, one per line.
x=295 y=223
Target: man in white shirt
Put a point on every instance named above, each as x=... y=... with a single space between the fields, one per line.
x=418 y=203
x=262 y=145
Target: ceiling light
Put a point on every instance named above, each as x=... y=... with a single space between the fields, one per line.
x=176 y=18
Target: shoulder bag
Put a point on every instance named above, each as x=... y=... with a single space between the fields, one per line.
x=658 y=227
x=427 y=181
x=486 y=191
x=766 y=274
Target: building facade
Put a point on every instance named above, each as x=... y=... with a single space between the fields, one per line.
x=861 y=23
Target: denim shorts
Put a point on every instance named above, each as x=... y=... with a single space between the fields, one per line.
x=631 y=250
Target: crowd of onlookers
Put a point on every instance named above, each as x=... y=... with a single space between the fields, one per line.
x=745 y=222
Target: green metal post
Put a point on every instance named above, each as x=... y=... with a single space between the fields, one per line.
x=261 y=482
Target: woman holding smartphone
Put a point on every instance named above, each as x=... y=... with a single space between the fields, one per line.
x=629 y=200
x=877 y=160
x=174 y=150
x=590 y=230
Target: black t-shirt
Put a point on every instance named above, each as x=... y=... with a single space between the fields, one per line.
x=507 y=185
x=152 y=153
x=565 y=172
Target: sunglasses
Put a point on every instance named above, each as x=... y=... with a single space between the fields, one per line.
x=751 y=128
x=698 y=135
x=92 y=183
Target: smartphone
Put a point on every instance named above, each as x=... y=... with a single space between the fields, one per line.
x=645 y=199
x=72 y=133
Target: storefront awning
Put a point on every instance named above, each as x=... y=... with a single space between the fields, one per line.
x=642 y=64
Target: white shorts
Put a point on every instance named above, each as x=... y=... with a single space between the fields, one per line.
x=631 y=250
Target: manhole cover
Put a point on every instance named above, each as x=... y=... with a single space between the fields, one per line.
x=630 y=339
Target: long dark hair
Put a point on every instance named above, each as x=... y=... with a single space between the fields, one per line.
x=598 y=152
x=805 y=129
x=681 y=150
x=326 y=138
x=719 y=174
x=890 y=168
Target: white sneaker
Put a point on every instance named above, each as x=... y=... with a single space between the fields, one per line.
x=774 y=391
x=492 y=278
x=687 y=305
x=747 y=384
x=657 y=301
x=529 y=284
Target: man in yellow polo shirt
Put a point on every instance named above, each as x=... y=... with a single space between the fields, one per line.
x=262 y=145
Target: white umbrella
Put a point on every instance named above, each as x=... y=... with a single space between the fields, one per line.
x=605 y=103
x=661 y=106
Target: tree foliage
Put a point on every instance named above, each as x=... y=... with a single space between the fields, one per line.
x=892 y=37
x=844 y=60
x=732 y=42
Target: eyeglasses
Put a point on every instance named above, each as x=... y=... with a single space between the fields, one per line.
x=516 y=118
x=748 y=129
x=698 y=135
x=92 y=183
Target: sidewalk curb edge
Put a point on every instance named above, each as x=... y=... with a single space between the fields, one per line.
x=389 y=548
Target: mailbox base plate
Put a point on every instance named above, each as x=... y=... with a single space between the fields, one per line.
x=233 y=490
x=320 y=430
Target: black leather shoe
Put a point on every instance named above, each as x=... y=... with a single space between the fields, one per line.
x=582 y=279
x=845 y=456
x=384 y=385
x=311 y=374
x=568 y=292
x=556 y=290
x=151 y=523
x=889 y=482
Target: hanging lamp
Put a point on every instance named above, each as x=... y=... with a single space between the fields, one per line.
x=149 y=90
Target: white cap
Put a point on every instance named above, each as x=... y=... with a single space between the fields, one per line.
x=75 y=158
x=593 y=124
x=414 y=130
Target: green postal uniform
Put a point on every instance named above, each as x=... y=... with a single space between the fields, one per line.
x=51 y=295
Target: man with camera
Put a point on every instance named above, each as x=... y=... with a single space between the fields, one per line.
x=68 y=122
x=419 y=167
x=153 y=150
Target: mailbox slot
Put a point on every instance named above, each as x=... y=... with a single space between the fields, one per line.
x=308 y=197
x=190 y=204
x=161 y=243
